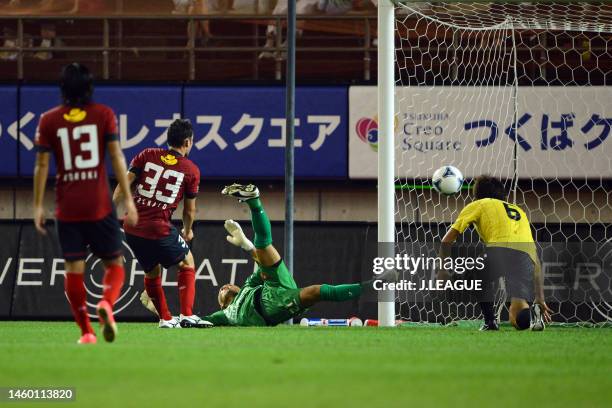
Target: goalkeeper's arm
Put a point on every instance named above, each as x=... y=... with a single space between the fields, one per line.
x=218 y=318
x=236 y=236
x=445 y=250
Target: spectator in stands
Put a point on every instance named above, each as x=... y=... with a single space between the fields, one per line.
x=49 y=40
x=310 y=7
x=10 y=41
x=195 y=7
x=182 y=6
x=62 y=6
x=202 y=26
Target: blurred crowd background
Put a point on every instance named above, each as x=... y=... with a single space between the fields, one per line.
x=87 y=7
x=238 y=39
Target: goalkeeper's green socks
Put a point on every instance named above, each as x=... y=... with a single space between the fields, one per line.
x=261 y=224
x=340 y=293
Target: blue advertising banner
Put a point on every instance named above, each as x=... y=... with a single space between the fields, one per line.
x=35 y=100
x=239 y=132
x=8 y=130
x=143 y=114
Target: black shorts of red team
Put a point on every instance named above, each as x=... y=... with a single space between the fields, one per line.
x=167 y=251
x=103 y=238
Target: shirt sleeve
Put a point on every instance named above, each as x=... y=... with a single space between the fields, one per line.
x=218 y=318
x=42 y=140
x=112 y=132
x=137 y=163
x=467 y=217
x=193 y=186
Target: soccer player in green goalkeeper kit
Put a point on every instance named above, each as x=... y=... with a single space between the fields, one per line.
x=270 y=295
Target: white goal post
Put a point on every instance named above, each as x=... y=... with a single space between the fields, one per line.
x=386 y=147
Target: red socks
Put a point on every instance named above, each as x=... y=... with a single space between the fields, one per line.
x=186 y=285
x=75 y=290
x=113 y=281
x=156 y=293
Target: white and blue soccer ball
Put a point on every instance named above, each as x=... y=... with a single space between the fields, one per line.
x=447 y=180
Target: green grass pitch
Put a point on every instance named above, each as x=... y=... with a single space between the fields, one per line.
x=312 y=367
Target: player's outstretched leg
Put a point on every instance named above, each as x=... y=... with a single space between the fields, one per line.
x=261 y=224
x=266 y=253
x=333 y=293
x=75 y=291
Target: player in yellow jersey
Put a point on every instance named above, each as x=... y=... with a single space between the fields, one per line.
x=511 y=253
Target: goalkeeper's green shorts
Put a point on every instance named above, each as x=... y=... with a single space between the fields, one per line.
x=280 y=304
x=280 y=296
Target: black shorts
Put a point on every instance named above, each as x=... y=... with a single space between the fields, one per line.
x=516 y=267
x=167 y=251
x=103 y=237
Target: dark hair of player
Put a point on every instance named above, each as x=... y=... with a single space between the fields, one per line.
x=76 y=83
x=489 y=187
x=179 y=131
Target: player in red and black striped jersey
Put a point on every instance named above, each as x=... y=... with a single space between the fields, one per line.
x=78 y=133
x=163 y=177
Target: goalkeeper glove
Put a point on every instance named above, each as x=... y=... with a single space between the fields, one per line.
x=236 y=236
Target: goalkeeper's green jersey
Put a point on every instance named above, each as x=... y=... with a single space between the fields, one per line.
x=241 y=312
x=279 y=294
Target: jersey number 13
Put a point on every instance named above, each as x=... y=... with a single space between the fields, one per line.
x=88 y=136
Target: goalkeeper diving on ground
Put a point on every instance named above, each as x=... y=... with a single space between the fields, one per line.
x=270 y=295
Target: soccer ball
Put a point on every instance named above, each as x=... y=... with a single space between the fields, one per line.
x=447 y=180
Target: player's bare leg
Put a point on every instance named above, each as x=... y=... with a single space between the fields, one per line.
x=155 y=292
x=186 y=285
x=267 y=256
x=310 y=295
x=75 y=290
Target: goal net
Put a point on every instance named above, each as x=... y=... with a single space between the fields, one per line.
x=519 y=91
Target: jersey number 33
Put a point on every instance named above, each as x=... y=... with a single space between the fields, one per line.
x=160 y=183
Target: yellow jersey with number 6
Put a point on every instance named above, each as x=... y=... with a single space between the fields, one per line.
x=498 y=224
